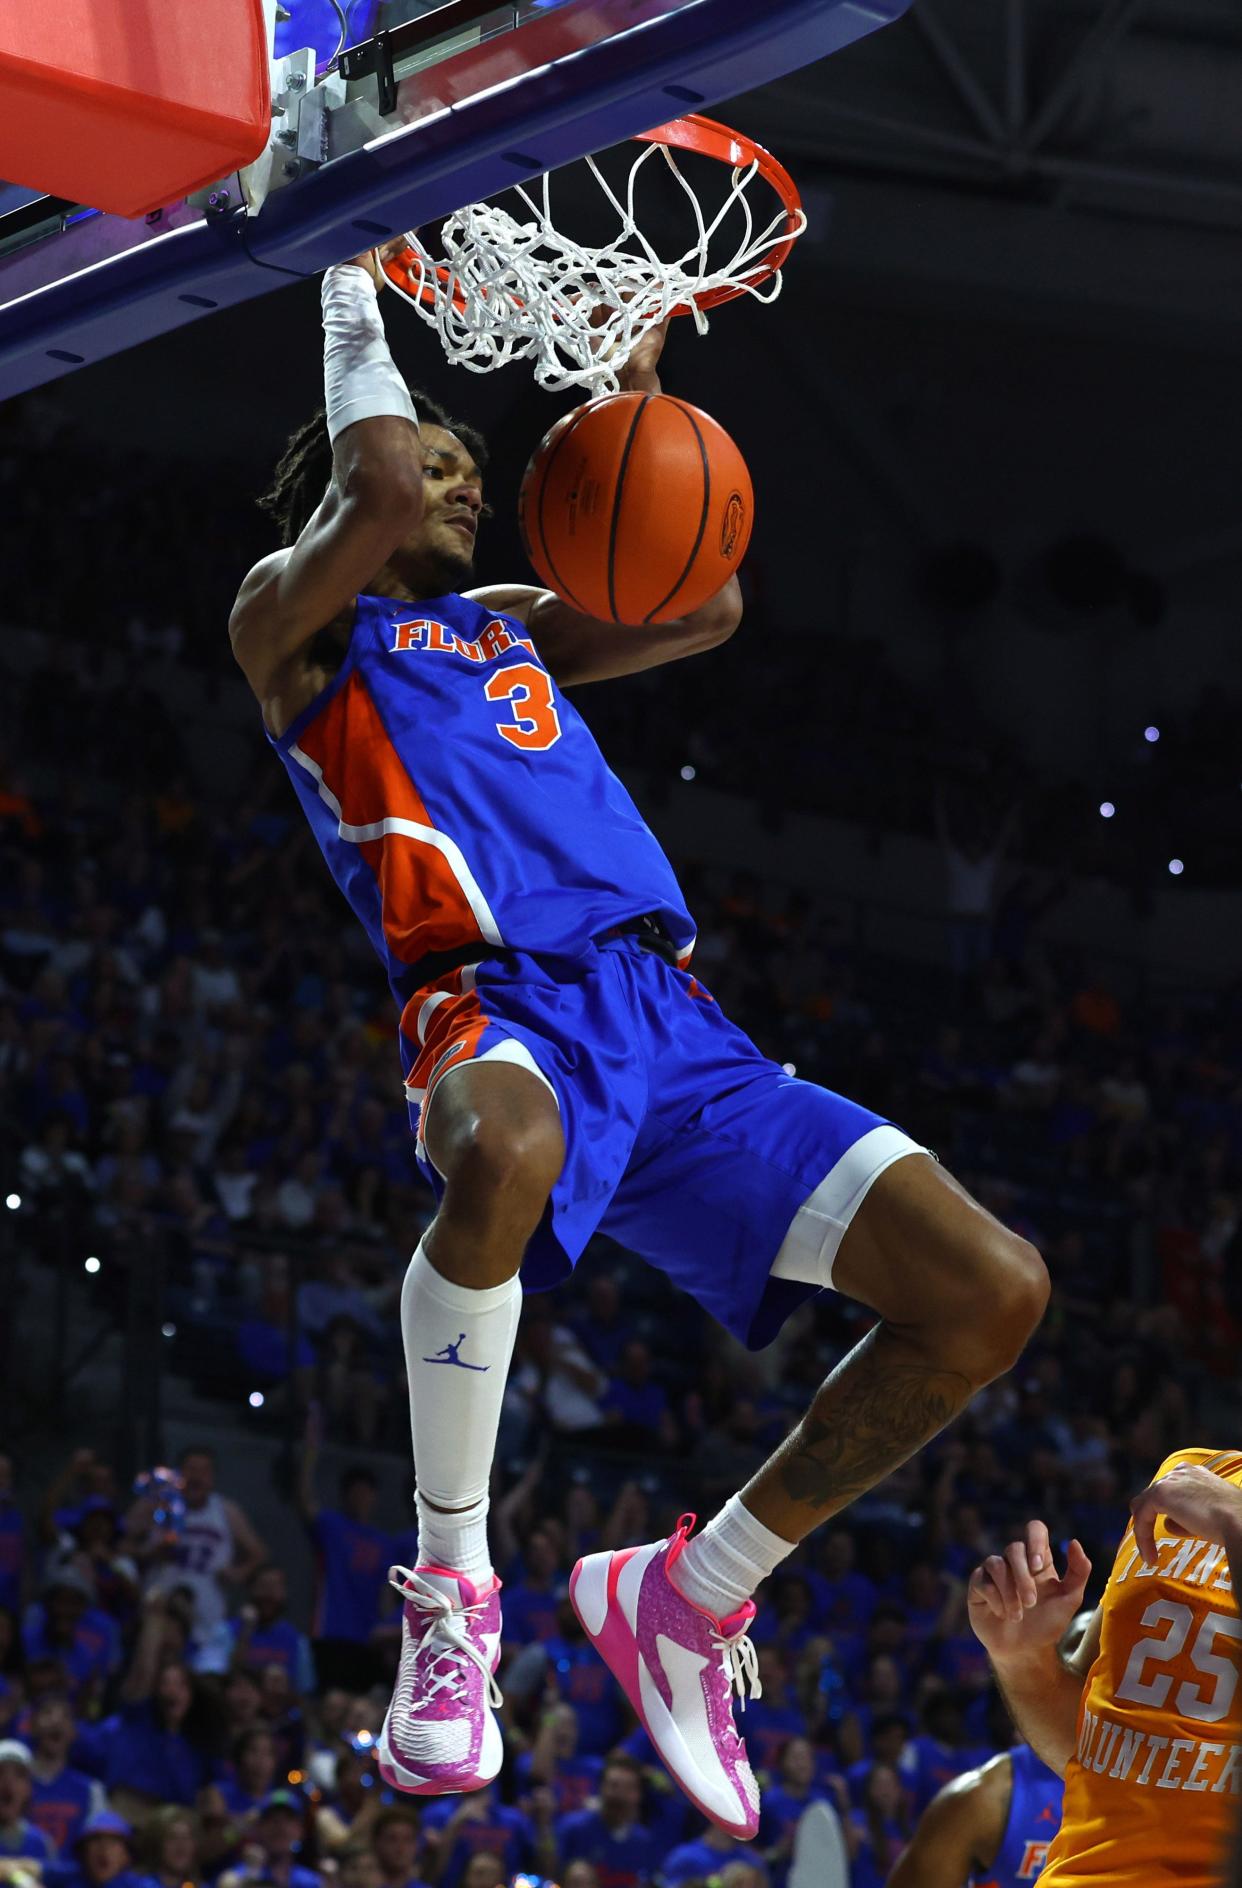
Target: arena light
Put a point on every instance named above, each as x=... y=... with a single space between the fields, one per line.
x=12 y=1201
x=687 y=772
x=1107 y=809
x=256 y=1399
x=1176 y=867
x=91 y=1265
x=1151 y=734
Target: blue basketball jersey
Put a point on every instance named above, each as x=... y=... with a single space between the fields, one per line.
x=459 y=799
x=1034 y=1818
x=493 y=859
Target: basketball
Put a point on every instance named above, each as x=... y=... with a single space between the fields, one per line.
x=636 y=508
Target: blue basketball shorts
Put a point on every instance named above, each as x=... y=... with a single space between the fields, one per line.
x=682 y=1141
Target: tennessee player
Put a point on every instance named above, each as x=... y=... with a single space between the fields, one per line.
x=566 y=1074
x=991 y=1828
x=1145 y=1713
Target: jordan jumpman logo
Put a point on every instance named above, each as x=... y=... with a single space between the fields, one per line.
x=449 y=1356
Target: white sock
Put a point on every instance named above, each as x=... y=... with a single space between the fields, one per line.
x=458 y=1346
x=721 y=1567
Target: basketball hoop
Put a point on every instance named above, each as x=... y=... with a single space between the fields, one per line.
x=504 y=290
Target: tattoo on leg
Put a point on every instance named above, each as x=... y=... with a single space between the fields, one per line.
x=878 y=1413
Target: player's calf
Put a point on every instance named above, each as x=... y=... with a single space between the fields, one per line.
x=958 y=1295
x=943 y=1273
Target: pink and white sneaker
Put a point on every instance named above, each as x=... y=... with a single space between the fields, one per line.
x=679 y=1668
x=441 y=1735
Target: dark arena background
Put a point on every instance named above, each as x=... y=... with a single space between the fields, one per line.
x=959 y=813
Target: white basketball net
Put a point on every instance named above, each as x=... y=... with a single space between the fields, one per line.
x=507 y=291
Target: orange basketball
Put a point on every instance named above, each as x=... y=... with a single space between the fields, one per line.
x=636 y=508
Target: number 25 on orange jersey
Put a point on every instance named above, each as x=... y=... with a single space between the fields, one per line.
x=528 y=690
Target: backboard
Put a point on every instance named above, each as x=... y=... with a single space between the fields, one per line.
x=433 y=112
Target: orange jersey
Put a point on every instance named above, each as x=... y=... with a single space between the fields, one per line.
x=1152 y=1791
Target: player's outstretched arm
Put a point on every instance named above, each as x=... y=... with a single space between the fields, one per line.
x=960 y=1831
x=1019 y=1609
x=579 y=648
x=374 y=498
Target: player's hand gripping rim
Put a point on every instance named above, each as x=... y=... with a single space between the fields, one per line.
x=1017 y=1602
x=373 y=260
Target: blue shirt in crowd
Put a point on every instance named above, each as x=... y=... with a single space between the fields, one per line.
x=768 y=1728
x=27 y=1844
x=962 y=1662
x=584 y=1681
x=846 y=1604
x=927 y=1765
x=61 y=1805
x=574 y=1780
x=782 y=1812
x=499 y=1830
x=697 y=1861
x=74 y=1878
x=530 y=1615
x=352 y=1562
x=238 y=1801
x=133 y=1751
x=868 y=1870
x=622 y=1860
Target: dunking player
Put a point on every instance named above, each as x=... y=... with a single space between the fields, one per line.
x=1145 y=1714
x=567 y=1072
x=991 y=1828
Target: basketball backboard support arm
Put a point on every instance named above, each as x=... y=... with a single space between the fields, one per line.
x=461 y=120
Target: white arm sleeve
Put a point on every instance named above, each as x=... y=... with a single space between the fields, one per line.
x=359 y=378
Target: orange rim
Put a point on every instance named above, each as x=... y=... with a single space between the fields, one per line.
x=711 y=139
x=403 y=273
x=707 y=138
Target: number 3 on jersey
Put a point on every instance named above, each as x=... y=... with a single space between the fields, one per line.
x=528 y=690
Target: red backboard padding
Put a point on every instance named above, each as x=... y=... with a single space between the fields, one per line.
x=127 y=105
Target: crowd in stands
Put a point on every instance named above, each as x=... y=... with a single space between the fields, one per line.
x=194 y=1054
x=197 y=1060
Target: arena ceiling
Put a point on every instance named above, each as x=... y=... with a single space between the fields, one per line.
x=1082 y=155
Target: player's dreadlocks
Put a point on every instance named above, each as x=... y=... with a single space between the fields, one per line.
x=305 y=469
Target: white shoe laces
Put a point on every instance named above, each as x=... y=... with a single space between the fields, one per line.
x=739 y=1663
x=445 y=1641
